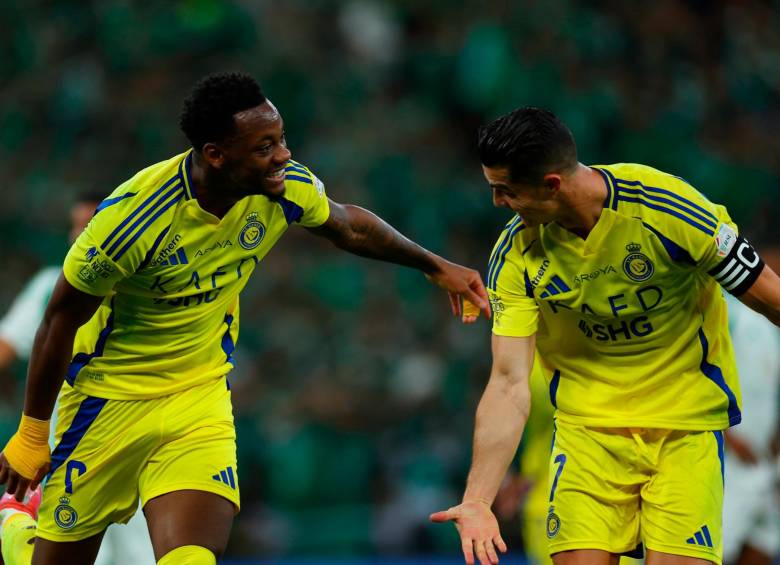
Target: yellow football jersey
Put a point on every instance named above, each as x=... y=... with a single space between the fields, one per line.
x=171 y=274
x=630 y=323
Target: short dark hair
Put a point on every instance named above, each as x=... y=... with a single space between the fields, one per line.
x=207 y=112
x=530 y=142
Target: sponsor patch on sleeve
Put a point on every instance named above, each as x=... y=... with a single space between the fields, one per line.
x=725 y=239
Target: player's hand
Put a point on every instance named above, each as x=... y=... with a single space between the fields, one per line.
x=741 y=449
x=478 y=530
x=15 y=483
x=510 y=494
x=461 y=283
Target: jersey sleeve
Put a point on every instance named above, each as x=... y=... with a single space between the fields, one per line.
x=114 y=243
x=706 y=232
x=307 y=192
x=515 y=312
x=19 y=325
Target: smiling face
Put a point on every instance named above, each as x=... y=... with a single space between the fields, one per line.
x=252 y=160
x=535 y=204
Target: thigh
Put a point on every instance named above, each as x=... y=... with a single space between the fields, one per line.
x=661 y=558
x=585 y=557
x=593 y=498
x=682 y=504
x=102 y=445
x=199 y=447
x=55 y=553
x=189 y=517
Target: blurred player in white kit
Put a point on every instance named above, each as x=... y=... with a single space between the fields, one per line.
x=123 y=544
x=751 y=517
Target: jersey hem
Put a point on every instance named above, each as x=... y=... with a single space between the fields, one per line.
x=655 y=423
x=110 y=395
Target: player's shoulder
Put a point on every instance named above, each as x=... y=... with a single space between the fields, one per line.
x=300 y=181
x=512 y=232
x=135 y=209
x=659 y=198
x=165 y=179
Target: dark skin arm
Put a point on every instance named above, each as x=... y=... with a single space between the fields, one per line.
x=764 y=295
x=363 y=233
x=67 y=310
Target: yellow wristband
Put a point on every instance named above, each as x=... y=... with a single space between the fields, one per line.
x=470 y=309
x=28 y=450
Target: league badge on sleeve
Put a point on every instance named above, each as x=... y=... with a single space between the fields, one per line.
x=725 y=239
x=637 y=265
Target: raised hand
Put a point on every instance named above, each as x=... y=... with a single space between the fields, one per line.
x=478 y=530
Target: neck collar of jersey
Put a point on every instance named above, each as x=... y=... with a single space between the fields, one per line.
x=611 y=201
x=185 y=174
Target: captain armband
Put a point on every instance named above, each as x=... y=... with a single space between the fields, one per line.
x=740 y=267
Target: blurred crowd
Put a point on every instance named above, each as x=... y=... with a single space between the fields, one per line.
x=355 y=389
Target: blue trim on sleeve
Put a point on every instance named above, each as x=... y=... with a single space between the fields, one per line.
x=507 y=247
x=676 y=252
x=88 y=411
x=296 y=166
x=111 y=201
x=714 y=373
x=138 y=210
x=80 y=360
x=292 y=212
x=160 y=211
x=704 y=219
x=307 y=180
x=678 y=197
x=670 y=212
x=499 y=247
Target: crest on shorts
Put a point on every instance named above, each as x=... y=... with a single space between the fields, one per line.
x=637 y=265
x=553 y=523
x=252 y=233
x=64 y=515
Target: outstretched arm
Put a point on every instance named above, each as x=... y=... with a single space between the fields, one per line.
x=501 y=417
x=764 y=295
x=25 y=458
x=363 y=233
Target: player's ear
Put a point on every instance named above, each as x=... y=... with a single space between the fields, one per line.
x=552 y=181
x=214 y=155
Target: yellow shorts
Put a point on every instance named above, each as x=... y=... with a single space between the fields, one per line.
x=110 y=453
x=614 y=489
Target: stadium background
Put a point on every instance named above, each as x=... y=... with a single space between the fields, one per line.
x=355 y=390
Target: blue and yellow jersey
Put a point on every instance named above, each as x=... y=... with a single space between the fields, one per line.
x=171 y=274
x=631 y=325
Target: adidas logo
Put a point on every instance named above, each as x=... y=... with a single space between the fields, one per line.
x=226 y=476
x=556 y=286
x=176 y=258
x=702 y=537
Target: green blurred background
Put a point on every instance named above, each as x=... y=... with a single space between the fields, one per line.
x=355 y=390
